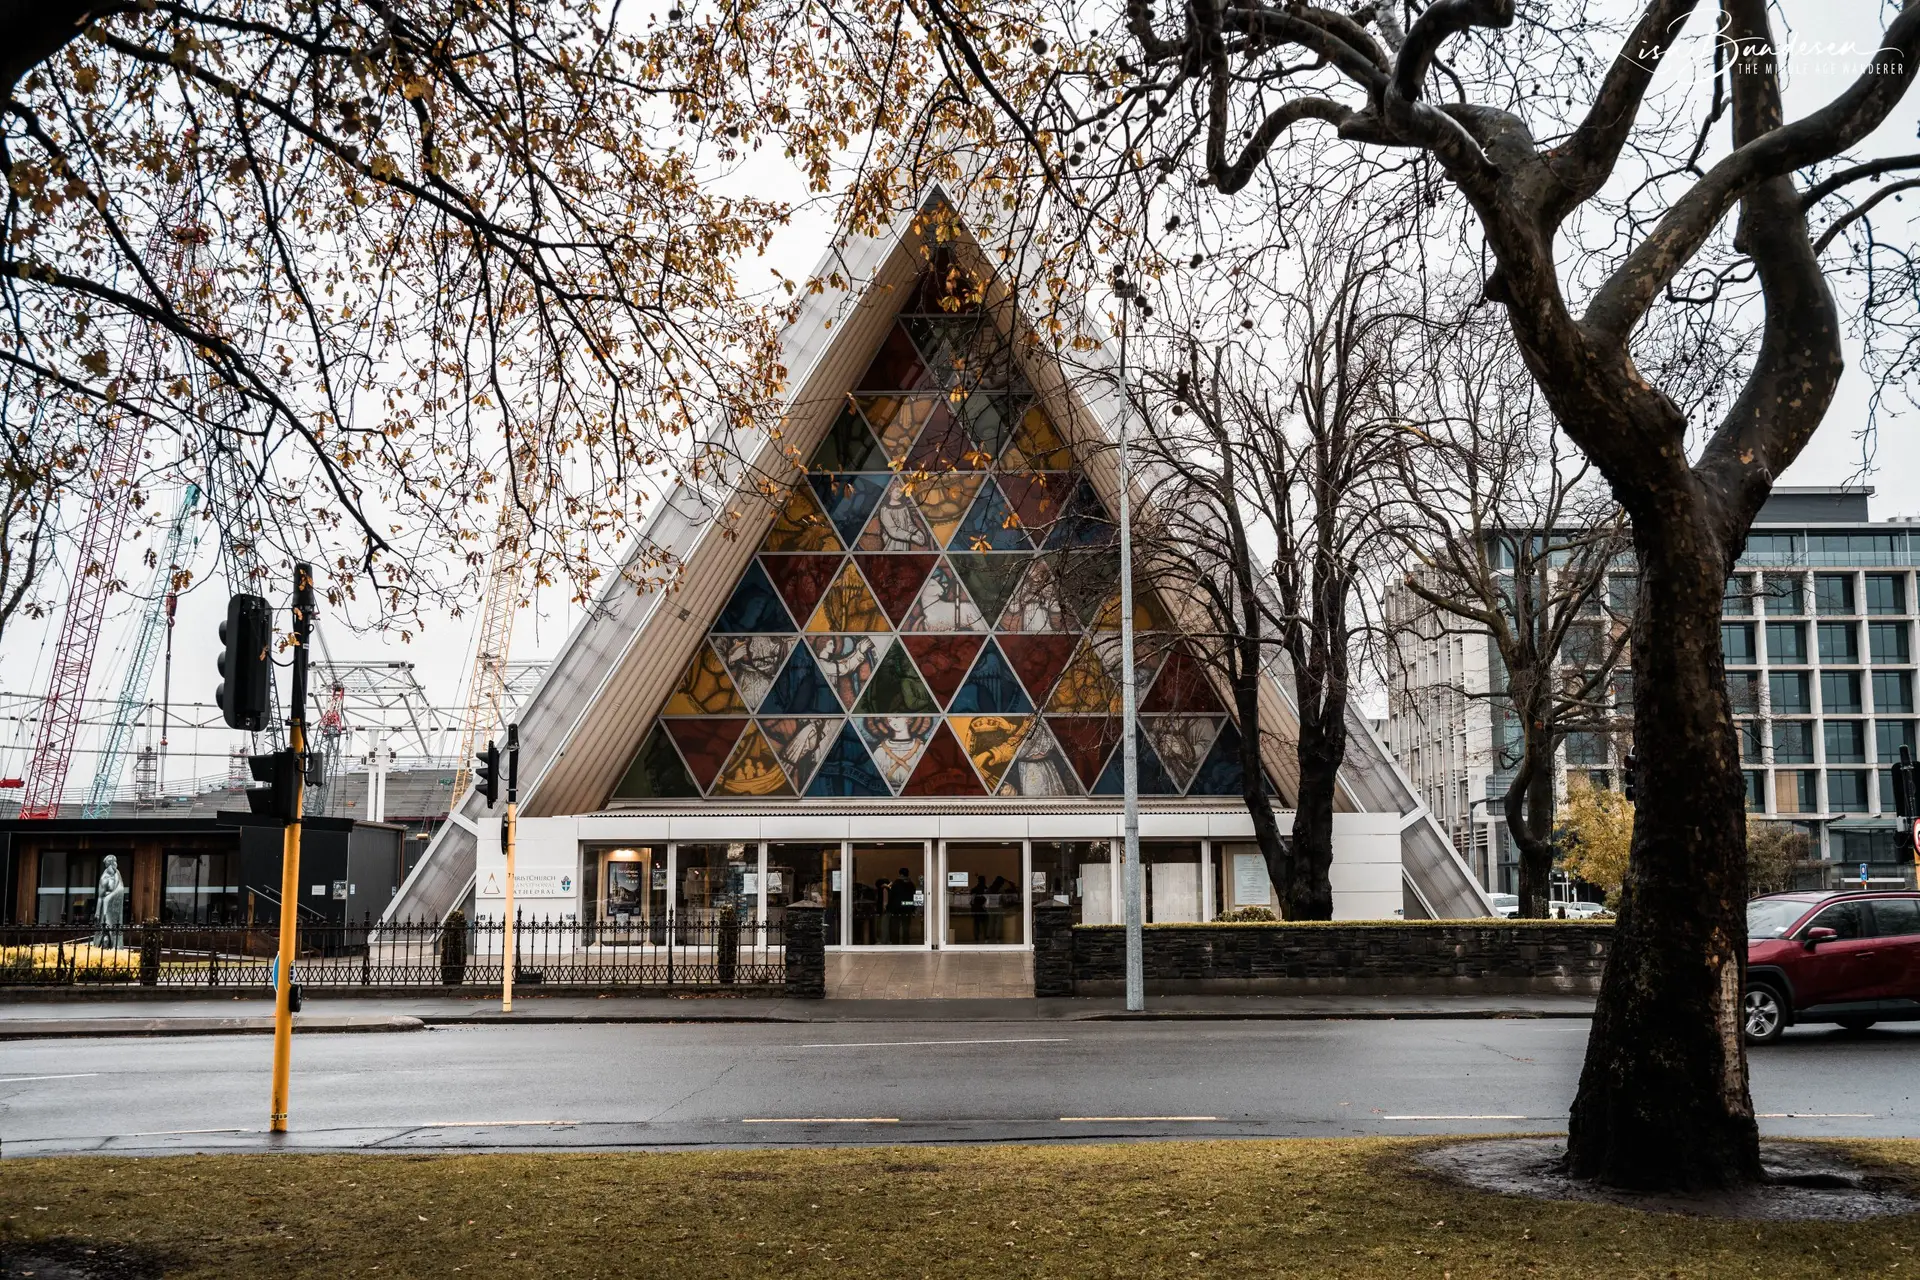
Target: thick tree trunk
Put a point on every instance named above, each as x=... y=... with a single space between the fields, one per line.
x=1663 y=1099
x=1274 y=848
x=1310 y=895
x=1529 y=810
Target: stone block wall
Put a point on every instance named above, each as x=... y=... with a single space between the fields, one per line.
x=1453 y=957
x=806 y=949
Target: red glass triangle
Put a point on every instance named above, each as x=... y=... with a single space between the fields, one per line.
x=704 y=744
x=1086 y=741
x=945 y=446
x=1038 y=660
x=1038 y=498
x=896 y=580
x=801 y=580
x=944 y=660
x=897 y=367
x=944 y=769
x=1182 y=686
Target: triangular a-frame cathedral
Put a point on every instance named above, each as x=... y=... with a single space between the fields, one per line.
x=906 y=665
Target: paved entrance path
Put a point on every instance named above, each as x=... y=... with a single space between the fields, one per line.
x=929 y=975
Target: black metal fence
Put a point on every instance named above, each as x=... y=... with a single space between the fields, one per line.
x=688 y=949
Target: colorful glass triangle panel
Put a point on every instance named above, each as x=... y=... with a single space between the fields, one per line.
x=1086 y=741
x=898 y=422
x=1183 y=686
x=943 y=660
x=896 y=743
x=944 y=769
x=849 y=446
x=1085 y=581
x=897 y=367
x=1182 y=743
x=848 y=662
x=848 y=498
x=991 y=687
x=1147 y=613
x=705 y=689
x=1085 y=522
x=657 y=772
x=1149 y=772
x=1038 y=498
x=896 y=580
x=800 y=689
x=801 y=580
x=1147 y=659
x=989 y=578
x=1035 y=605
x=896 y=689
x=753 y=662
x=991 y=524
x=990 y=742
x=848 y=605
x=801 y=525
x=1037 y=445
x=897 y=524
x=752 y=771
x=991 y=418
x=944 y=501
x=1085 y=686
x=705 y=744
x=1221 y=774
x=848 y=769
x=1038 y=660
x=943 y=605
x=801 y=743
x=945 y=446
x=1039 y=768
x=755 y=605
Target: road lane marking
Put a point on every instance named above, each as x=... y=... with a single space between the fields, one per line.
x=490 y=1124
x=1138 y=1119
x=1815 y=1115
x=893 y=1044
x=823 y=1120
x=1460 y=1117
x=77 y=1075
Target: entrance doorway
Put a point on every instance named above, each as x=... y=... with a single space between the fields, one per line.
x=984 y=904
x=889 y=895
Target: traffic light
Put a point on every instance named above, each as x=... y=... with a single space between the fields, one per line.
x=1906 y=786
x=487 y=776
x=246 y=663
x=280 y=770
x=1627 y=770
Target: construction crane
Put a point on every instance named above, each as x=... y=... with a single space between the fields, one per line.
x=487 y=701
x=183 y=540
x=93 y=582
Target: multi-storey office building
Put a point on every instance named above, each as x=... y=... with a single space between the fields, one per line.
x=1819 y=641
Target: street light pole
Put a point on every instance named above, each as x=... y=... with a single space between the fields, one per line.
x=1124 y=289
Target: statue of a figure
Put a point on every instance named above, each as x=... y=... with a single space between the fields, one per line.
x=110 y=907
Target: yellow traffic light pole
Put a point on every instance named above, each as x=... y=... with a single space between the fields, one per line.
x=303 y=611
x=510 y=961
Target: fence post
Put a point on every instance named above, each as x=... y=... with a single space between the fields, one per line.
x=727 y=944
x=453 y=948
x=150 y=954
x=806 y=950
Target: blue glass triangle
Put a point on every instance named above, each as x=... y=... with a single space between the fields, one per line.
x=848 y=770
x=987 y=526
x=1084 y=523
x=755 y=605
x=1220 y=773
x=991 y=687
x=800 y=689
x=1153 y=775
x=848 y=499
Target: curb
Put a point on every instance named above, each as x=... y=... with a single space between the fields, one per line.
x=106 y=1028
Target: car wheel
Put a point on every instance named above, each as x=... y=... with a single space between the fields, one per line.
x=1766 y=1014
x=1855 y=1024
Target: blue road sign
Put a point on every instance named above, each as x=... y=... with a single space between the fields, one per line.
x=1863 y=873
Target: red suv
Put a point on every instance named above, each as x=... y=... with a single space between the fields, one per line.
x=1848 y=957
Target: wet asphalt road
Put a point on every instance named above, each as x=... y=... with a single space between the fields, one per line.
x=676 y=1086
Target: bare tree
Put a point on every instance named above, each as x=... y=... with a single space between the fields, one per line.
x=1513 y=544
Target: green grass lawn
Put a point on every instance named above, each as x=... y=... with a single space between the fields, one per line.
x=1248 y=1208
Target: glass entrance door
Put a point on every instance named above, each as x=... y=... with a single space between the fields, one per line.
x=984 y=905
x=889 y=895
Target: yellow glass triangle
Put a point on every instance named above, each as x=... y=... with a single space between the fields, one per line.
x=1037 y=445
x=944 y=502
x=898 y=421
x=1085 y=685
x=991 y=742
x=752 y=769
x=802 y=526
x=849 y=605
x=1147 y=613
x=705 y=690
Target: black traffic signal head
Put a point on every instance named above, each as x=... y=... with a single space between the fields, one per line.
x=487 y=774
x=246 y=663
x=280 y=770
x=1906 y=786
x=1627 y=770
